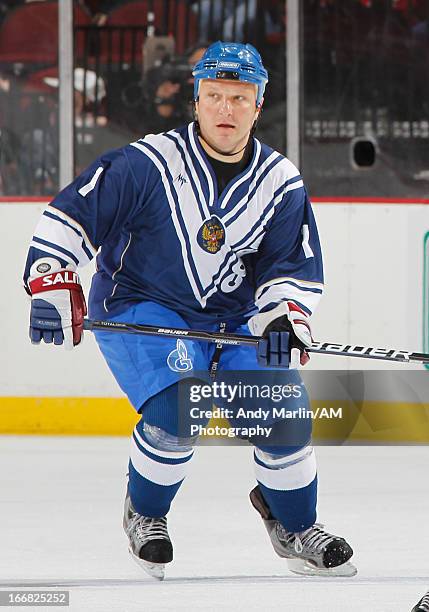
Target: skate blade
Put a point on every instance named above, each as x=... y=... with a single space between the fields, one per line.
x=155 y=570
x=305 y=568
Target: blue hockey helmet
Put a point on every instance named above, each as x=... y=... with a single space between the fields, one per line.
x=229 y=60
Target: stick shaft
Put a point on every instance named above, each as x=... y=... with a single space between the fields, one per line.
x=324 y=348
x=172 y=332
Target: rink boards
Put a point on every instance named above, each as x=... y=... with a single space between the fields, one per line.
x=376 y=257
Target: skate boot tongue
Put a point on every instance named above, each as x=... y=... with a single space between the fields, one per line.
x=315 y=552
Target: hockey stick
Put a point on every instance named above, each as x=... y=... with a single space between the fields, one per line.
x=325 y=348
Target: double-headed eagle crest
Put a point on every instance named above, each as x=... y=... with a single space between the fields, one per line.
x=211 y=235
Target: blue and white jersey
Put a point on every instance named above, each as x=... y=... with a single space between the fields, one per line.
x=151 y=214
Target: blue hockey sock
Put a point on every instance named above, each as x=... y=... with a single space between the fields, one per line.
x=289 y=487
x=159 y=460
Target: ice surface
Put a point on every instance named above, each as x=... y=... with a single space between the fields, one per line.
x=60 y=525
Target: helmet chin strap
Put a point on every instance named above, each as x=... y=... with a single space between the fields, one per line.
x=218 y=150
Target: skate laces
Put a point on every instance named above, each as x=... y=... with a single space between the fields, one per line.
x=314 y=539
x=147 y=528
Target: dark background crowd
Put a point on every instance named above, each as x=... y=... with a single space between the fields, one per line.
x=364 y=71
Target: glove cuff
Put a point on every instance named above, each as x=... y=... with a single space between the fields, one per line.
x=62 y=279
x=259 y=322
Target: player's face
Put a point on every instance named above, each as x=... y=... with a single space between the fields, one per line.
x=226 y=111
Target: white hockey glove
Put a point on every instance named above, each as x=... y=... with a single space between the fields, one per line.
x=57 y=304
x=287 y=332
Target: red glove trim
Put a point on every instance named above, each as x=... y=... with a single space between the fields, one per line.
x=69 y=281
x=63 y=279
x=78 y=309
x=294 y=307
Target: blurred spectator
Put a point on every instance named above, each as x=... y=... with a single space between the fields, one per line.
x=8 y=5
x=227 y=20
x=420 y=27
x=271 y=37
x=274 y=16
x=169 y=90
x=4 y=83
x=41 y=141
x=100 y=9
x=421 y=31
x=10 y=180
x=95 y=132
x=41 y=152
x=89 y=93
x=10 y=143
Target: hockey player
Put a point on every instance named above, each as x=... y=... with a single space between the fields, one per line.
x=199 y=227
x=422 y=605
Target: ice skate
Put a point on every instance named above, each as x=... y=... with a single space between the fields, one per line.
x=423 y=605
x=312 y=552
x=149 y=543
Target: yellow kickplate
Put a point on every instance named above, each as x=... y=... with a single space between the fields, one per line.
x=372 y=422
x=67 y=416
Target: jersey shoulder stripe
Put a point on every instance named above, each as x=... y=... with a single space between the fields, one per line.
x=40 y=243
x=80 y=241
x=161 y=164
x=191 y=173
